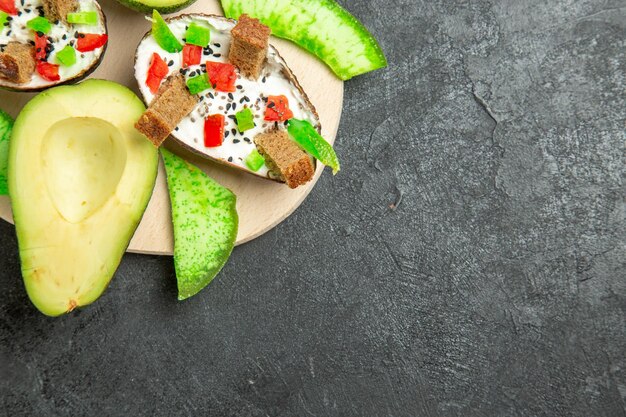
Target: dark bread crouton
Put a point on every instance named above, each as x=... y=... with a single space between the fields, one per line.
x=58 y=9
x=171 y=104
x=17 y=62
x=285 y=158
x=248 y=48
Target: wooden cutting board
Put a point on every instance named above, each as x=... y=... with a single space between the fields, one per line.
x=261 y=204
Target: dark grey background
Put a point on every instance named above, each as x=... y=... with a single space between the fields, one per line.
x=495 y=287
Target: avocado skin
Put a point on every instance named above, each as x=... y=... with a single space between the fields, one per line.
x=205 y=221
x=6 y=125
x=145 y=9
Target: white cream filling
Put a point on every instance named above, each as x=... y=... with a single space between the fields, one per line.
x=17 y=31
x=236 y=146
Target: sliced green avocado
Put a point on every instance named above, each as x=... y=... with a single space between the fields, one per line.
x=322 y=27
x=205 y=220
x=6 y=125
x=162 y=6
x=80 y=178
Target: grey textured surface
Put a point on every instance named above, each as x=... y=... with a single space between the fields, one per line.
x=469 y=260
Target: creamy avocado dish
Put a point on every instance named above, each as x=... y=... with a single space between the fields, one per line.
x=222 y=91
x=44 y=43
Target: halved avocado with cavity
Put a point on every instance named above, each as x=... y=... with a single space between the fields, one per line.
x=80 y=178
x=62 y=35
x=162 y=6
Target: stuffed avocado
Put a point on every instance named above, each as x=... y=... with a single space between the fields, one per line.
x=223 y=92
x=44 y=43
x=80 y=178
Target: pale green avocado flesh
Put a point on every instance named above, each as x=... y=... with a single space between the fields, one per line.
x=80 y=178
x=6 y=125
x=162 y=6
x=322 y=27
x=205 y=220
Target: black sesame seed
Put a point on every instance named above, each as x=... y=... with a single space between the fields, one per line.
x=230 y=159
x=286 y=123
x=64 y=37
x=169 y=64
x=228 y=106
x=40 y=34
x=226 y=134
x=76 y=34
x=236 y=141
x=22 y=3
x=239 y=87
x=217 y=55
x=247 y=139
x=217 y=45
x=181 y=70
x=264 y=79
x=234 y=106
x=27 y=11
x=81 y=35
x=211 y=95
x=233 y=131
x=232 y=117
x=56 y=22
x=230 y=96
x=176 y=128
x=242 y=100
x=19 y=13
x=269 y=106
x=32 y=43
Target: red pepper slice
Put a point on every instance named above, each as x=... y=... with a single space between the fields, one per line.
x=8 y=6
x=48 y=71
x=222 y=76
x=88 y=42
x=156 y=72
x=277 y=109
x=214 y=130
x=41 y=43
x=192 y=55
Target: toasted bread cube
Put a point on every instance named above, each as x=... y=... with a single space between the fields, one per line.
x=17 y=62
x=248 y=49
x=171 y=104
x=285 y=158
x=58 y=9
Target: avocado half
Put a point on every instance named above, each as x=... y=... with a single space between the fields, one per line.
x=162 y=6
x=85 y=72
x=80 y=179
x=191 y=139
